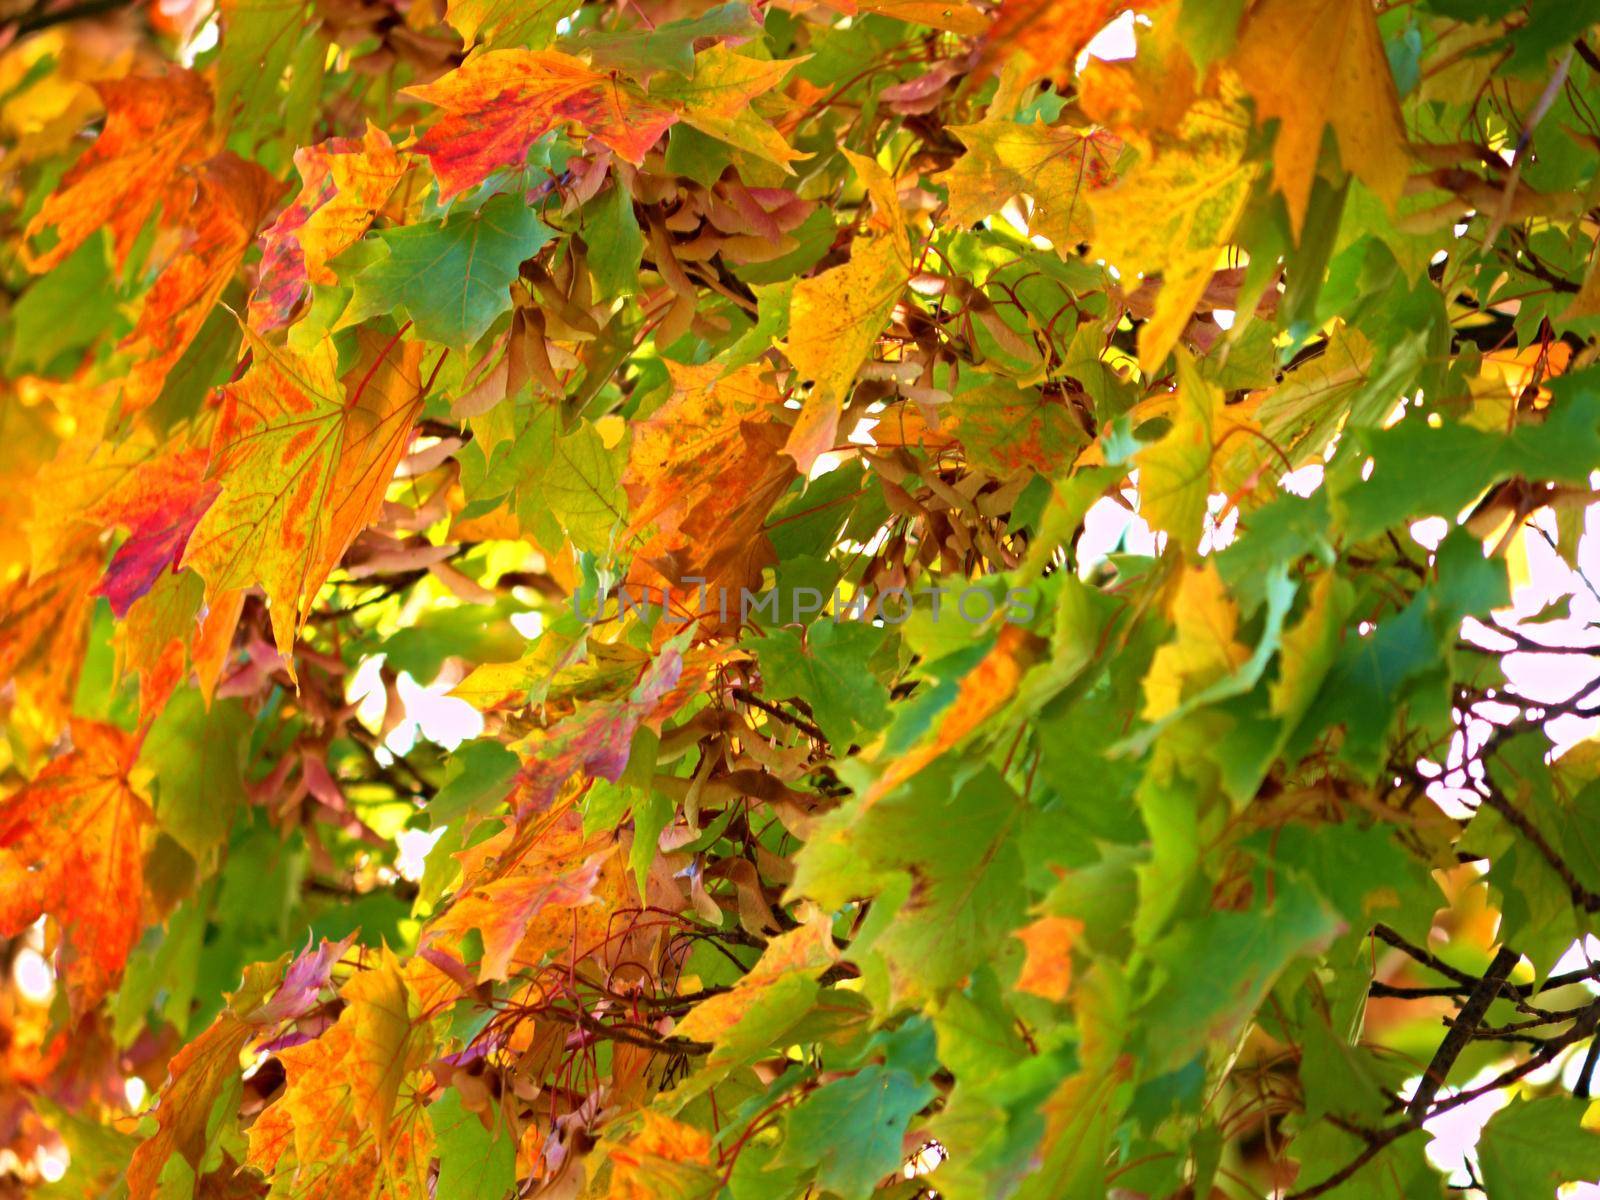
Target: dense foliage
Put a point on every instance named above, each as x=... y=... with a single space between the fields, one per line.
x=817 y=598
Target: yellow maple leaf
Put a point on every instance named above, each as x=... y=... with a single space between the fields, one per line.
x=1175 y=473
x=341 y=1128
x=717 y=101
x=1172 y=214
x=1055 y=166
x=1309 y=64
x=1205 y=644
x=835 y=317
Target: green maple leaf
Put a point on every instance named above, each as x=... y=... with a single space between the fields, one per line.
x=452 y=278
x=1531 y=1147
x=852 y=1129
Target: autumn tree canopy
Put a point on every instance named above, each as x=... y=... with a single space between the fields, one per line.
x=988 y=599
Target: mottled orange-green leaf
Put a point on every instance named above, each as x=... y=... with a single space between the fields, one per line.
x=71 y=848
x=835 y=319
x=345 y=182
x=497 y=104
x=303 y=458
x=659 y=1157
x=152 y=641
x=718 y=100
x=1055 y=166
x=223 y=203
x=983 y=691
x=154 y=125
x=1004 y=428
x=691 y=447
x=1309 y=64
x=1047 y=965
x=530 y=895
x=798 y=956
x=348 y=1122
x=1172 y=213
x=1204 y=645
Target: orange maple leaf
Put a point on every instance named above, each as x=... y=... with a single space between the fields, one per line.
x=43 y=624
x=692 y=448
x=222 y=205
x=1047 y=965
x=529 y=905
x=199 y=1072
x=341 y=1127
x=303 y=458
x=660 y=1157
x=153 y=127
x=344 y=184
x=71 y=846
x=498 y=104
x=1048 y=35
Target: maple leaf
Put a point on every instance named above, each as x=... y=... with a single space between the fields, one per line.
x=779 y=989
x=1204 y=646
x=1309 y=64
x=835 y=317
x=957 y=16
x=596 y=739
x=230 y=199
x=43 y=623
x=452 y=279
x=153 y=127
x=202 y=1070
x=159 y=502
x=341 y=1119
x=984 y=691
x=1175 y=473
x=153 y=640
x=345 y=182
x=527 y=908
x=658 y=1156
x=505 y=22
x=1053 y=165
x=1173 y=212
x=1047 y=35
x=302 y=458
x=1047 y=967
x=1007 y=429
x=717 y=100
x=693 y=445
x=72 y=848
x=497 y=104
